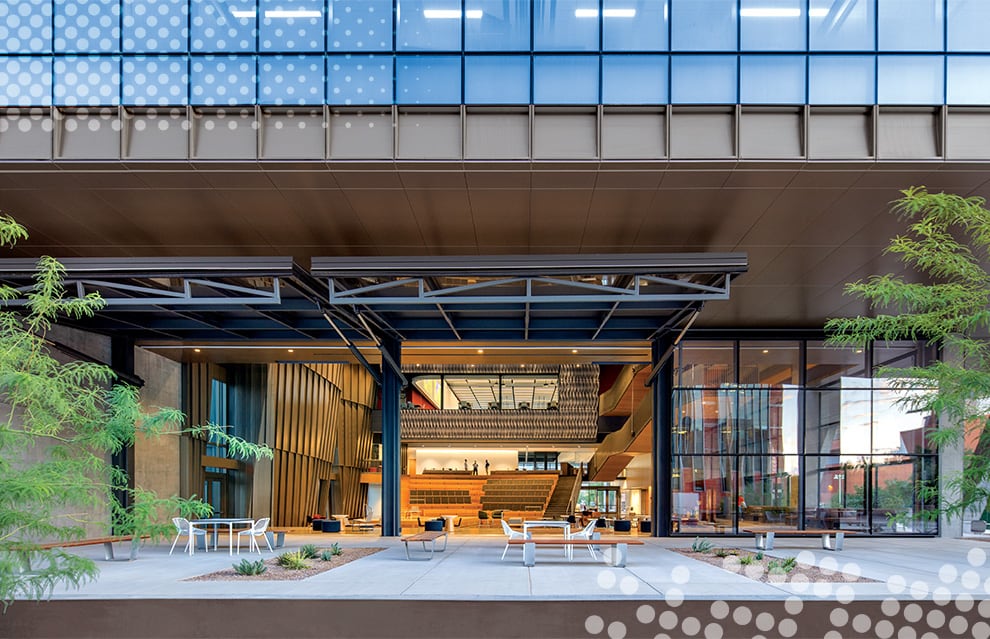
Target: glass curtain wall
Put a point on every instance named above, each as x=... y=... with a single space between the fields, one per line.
x=156 y=53
x=796 y=434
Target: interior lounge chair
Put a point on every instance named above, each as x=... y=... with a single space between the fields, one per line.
x=483 y=519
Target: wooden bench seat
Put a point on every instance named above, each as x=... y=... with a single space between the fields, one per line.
x=831 y=539
x=423 y=537
x=529 y=547
x=25 y=549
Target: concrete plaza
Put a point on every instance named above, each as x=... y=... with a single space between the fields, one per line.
x=934 y=586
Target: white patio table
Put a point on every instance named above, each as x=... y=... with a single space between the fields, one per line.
x=230 y=522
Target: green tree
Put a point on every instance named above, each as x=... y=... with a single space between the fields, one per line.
x=59 y=425
x=947 y=242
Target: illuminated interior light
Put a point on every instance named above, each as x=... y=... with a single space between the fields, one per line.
x=451 y=14
x=769 y=12
x=196 y=350
x=292 y=350
x=573 y=350
x=249 y=13
x=818 y=13
x=295 y=13
x=481 y=350
x=608 y=13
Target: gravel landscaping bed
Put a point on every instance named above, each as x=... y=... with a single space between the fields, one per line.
x=772 y=569
x=278 y=573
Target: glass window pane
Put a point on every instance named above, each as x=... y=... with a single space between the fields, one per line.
x=565 y=79
x=772 y=25
x=359 y=79
x=829 y=365
x=26 y=26
x=896 y=505
x=520 y=392
x=223 y=80
x=969 y=80
x=570 y=25
x=92 y=25
x=496 y=79
x=428 y=25
x=429 y=392
x=496 y=26
x=770 y=363
x=703 y=495
x=834 y=494
x=291 y=25
x=363 y=26
x=910 y=25
x=221 y=28
x=772 y=79
x=87 y=81
x=428 y=79
x=634 y=79
x=703 y=421
x=768 y=487
x=704 y=364
x=842 y=26
x=703 y=25
x=968 y=20
x=898 y=427
x=842 y=79
x=767 y=420
x=290 y=79
x=634 y=26
x=838 y=420
x=155 y=81
x=910 y=79
x=26 y=81
x=156 y=25
x=898 y=355
x=703 y=79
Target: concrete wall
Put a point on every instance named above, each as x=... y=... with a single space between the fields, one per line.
x=156 y=459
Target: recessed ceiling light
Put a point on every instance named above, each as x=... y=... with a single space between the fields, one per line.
x=417 y=365
x=765 y=351
x=481 y=350
x=522 y=366
x=573 y=350
x=196 y=350
x=292 y=350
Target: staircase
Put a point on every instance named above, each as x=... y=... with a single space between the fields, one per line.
x=561 y=497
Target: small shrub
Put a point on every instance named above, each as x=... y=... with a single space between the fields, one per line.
x=701 y=545
x=775 y=567
x=759 y=556
x=292 y=561
x=721 y=553
x=789 y=564
x=308 y=551
x=746 y=560
x=326 y=555
x=335 y=550
x=248 y=568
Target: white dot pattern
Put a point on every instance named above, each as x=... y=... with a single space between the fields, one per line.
x=25 y=26
x=291 y=80
x=25 y=81
x=360 y=26
x=223 y=80
x=87 y=81
x=156 y=26
x=291 y=33
x=359 y=79
x=87 y=26
x=155 y=81
x=216 y=28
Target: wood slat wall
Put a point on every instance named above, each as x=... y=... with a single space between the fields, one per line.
x=315 y=409
x=196 y=391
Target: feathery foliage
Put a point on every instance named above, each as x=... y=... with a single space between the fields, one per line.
x=947 y=242
x=60 y=422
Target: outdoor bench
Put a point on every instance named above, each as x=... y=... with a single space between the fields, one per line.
x=619 y=560
x=426 y=536
x=831 y=539
x=276 y=537
x=24 y=550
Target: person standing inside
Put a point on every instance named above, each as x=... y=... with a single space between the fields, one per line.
x=486 y=466
x=465 y=465
x=475 y=470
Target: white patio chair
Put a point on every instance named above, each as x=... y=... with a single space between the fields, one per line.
x=257 y=530
x=586 y=533
x=183 y=527
x=511 y=534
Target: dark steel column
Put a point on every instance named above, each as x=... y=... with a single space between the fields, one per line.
x=391 y=452
x=122 y=363
x=662 y=389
